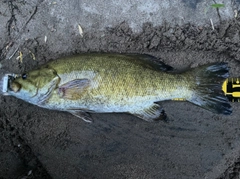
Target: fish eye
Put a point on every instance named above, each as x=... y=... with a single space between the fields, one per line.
x=24 y=76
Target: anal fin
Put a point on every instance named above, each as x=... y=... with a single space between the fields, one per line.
x=152 y=113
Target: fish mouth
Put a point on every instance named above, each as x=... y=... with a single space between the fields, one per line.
x=15 y=86
x=6 y=84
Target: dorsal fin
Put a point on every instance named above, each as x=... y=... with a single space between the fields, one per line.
x=151 y=61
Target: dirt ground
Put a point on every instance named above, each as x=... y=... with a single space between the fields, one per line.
x=195 y=143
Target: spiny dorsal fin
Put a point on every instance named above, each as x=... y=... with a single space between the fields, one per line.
x=151 y=61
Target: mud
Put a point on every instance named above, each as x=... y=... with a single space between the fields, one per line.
x=39 y=143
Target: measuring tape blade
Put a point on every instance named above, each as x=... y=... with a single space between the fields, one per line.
x=231 y=88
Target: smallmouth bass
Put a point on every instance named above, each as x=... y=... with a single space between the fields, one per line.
x=131 y=83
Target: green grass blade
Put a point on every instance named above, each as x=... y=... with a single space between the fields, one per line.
x=217 y=5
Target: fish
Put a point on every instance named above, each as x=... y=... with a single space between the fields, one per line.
x=120 y=83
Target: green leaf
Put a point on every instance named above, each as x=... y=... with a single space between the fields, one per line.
x=217 y=5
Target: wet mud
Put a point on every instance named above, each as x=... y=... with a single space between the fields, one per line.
x=39 y=143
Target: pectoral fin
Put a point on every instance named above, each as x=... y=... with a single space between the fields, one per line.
x=152 y=113
x=73 y=89
x=82 y=115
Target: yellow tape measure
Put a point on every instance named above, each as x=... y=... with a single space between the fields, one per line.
x=231 y=88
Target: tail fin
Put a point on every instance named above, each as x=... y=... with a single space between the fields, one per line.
x=208 y=92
